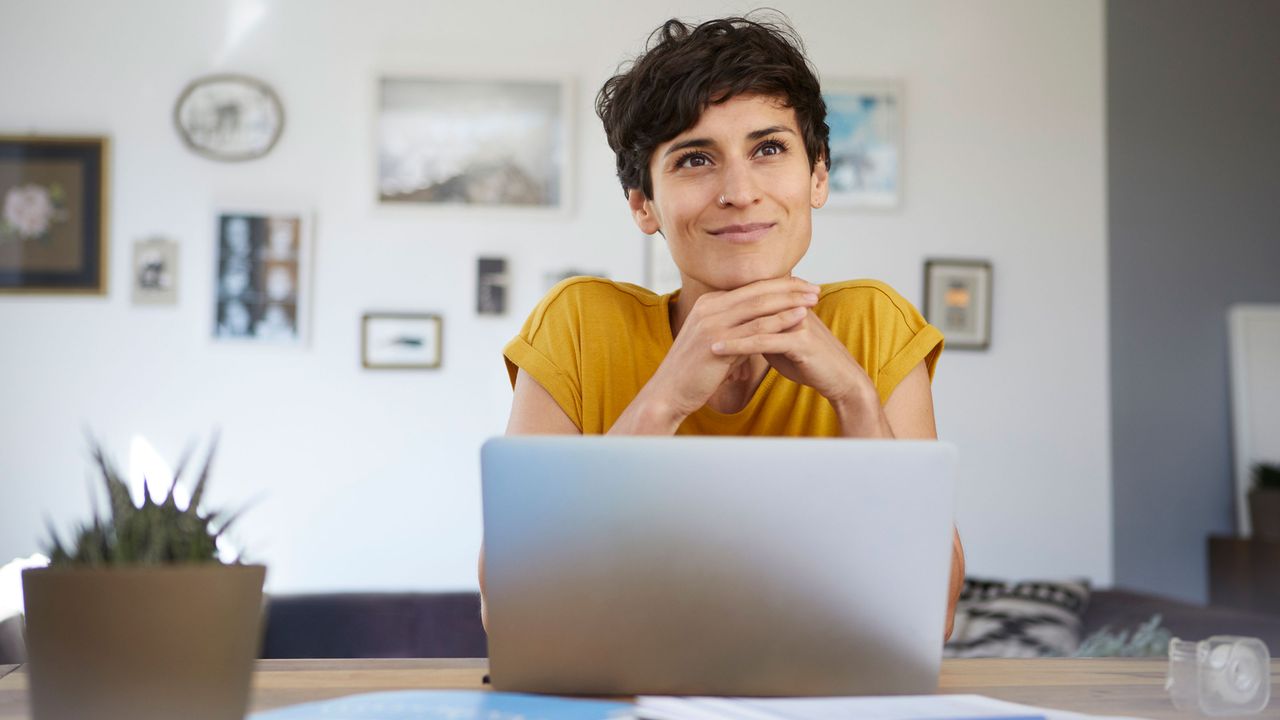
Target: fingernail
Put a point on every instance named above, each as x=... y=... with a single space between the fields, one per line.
x=717 y=347
x=811 y=297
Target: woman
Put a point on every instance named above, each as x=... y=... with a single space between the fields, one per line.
x=721 y=144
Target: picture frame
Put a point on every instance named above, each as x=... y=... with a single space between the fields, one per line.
x=957 y=301
x=492 y=286
x=155 y=271
x=401 y=341
x=53 y=214
x=865 y=117
x=456 y=142
x=262 y=276
x=229 y=117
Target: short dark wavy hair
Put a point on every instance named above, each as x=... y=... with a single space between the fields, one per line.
x=686 y=68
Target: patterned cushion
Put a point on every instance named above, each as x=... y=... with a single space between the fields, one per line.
x=1029 y=619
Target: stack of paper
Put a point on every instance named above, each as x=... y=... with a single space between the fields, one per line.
x=474 y=705
x=449 y=705
x=897 y=707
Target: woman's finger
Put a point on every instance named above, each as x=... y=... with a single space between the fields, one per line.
x=769 y=324
x=763 y=306
x=770 y=343
x=763 y=297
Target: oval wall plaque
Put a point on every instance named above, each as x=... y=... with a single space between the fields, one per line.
x=229 y=117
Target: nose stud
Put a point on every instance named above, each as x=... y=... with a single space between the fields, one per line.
x=722 y=202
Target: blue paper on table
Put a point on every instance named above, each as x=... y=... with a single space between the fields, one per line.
x=448 y=705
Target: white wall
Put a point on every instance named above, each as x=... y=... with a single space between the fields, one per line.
x=369 y=480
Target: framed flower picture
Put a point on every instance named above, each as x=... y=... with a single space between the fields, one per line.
x=53 y=201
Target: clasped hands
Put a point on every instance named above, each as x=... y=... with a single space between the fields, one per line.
x=773 y=318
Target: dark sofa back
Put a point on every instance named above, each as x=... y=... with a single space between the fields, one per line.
x=372 y=625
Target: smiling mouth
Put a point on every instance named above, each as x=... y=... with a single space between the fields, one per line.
x=742 y=233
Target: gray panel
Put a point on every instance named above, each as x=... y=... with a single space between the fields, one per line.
x=1193 y=134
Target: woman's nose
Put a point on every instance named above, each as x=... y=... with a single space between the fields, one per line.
x=740 y=188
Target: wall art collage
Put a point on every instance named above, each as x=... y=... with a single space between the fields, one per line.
x=441 y=142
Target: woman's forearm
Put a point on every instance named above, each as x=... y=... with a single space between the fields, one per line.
x=648 y=414
x=863 y=417
x=957 y=580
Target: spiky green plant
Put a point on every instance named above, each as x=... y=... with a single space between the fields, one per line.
x=1266 y=477
x=157 y=533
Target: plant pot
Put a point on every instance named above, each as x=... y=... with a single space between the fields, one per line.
x=142 y=643
x=1264 y=513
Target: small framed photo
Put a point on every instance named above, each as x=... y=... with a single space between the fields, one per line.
x=459 y=142
x=401 y=341
x=865 y=117
x=957 y=301
x=492 y=283
x=155 y=271
x=53 y=205
x=262 y=281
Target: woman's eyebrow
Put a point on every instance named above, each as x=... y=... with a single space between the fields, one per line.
x=694 y=142
x=757 y=134
x=707 y=142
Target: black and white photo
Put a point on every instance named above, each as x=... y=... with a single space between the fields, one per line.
x=155 y=271
x=261 y=283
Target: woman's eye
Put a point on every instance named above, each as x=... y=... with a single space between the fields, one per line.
x=692 y=160
x=771 y=148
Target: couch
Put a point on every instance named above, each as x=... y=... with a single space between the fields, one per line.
x=344 y=625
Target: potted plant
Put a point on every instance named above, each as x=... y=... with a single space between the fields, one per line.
x=137 y=618
x=1264 y=502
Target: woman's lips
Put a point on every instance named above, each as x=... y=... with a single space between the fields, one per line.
x=750 y=232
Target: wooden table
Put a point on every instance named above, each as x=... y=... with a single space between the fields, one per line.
x=1096 y=686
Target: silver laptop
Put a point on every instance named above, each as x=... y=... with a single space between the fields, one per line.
x=716 y=566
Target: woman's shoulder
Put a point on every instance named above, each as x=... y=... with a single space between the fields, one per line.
x=601 y=289
x=865 y=297
x=578 y=298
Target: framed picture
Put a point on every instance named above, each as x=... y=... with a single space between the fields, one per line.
x=491 y=286
x=53 y=215
x=262 y=284
x=229 y=117
x=155 y=271
x=865 y=117
x=401 y=341
x=479 y=143
x=957 y=301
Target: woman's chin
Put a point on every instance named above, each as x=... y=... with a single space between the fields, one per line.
x=735 y=280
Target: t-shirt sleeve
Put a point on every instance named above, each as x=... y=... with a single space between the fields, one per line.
x=905 y=339
x=547 y=349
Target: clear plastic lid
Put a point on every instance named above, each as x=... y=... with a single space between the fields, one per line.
x=1224 y=675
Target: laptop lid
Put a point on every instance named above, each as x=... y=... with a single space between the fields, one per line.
x=721 y=566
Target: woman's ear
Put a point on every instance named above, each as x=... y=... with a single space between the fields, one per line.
x=819 y=187
x=642 y=211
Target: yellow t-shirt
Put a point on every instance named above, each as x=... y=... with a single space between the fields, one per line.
x=594 y=343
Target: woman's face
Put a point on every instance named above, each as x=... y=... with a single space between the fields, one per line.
x=733 y=194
